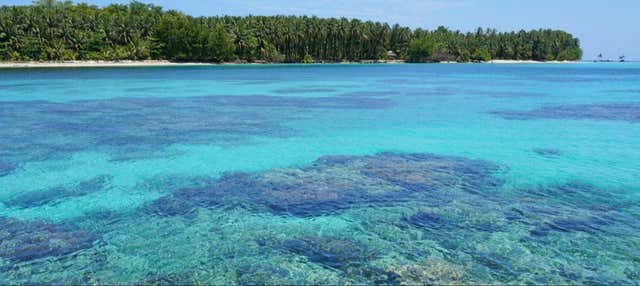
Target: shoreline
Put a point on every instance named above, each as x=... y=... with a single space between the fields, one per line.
x=530 y=62
x=163 y=63
x=93 y=64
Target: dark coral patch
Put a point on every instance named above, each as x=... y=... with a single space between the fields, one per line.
x=398 y=81
x=577 y=195
x=329 y=102
x=232 y=190
x=43 y=197
x=589 y=225
x=431 y=221
x=331 y=252
x=303 y=90
x=337 y=182
x=426 y=220
x=431 y=92
x=573 y=207
x=19 y=86
x=547 y=152
x=629 y=112
x=29 y=240
x=138 y=127
x=258 y=273
x=6 y=168
x=156 y=279
x=422 y=172
x=506 y=94
x=365 y=94
x=149 y=89
x=633 y=91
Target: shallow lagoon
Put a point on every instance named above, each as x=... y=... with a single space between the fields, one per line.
x=290 y=174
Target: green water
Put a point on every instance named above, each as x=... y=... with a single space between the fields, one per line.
x=218 y=175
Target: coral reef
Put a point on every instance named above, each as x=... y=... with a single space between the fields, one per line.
x=48 y=196
x=29 y=240
x=331 y=252
x=547 y=152
x=629 y=112
x=433 y=271
x=260 y=273
x=334 y=183
x=139 y=127
x=6 y=168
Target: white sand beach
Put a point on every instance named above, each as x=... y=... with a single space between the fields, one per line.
x=152 y=63
x=529 y=62
x=81 y=64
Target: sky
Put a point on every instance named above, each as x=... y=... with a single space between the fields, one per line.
x=609 y=27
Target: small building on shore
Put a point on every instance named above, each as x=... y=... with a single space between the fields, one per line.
x=391 y=56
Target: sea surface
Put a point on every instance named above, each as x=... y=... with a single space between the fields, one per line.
x=321 y=174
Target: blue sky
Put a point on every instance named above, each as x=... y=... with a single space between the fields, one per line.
x=603 y=26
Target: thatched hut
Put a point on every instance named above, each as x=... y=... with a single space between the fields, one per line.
x=391 y=55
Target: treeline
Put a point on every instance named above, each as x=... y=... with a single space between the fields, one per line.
x=51 y=31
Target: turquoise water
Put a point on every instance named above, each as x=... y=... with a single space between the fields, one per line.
x=321 y=174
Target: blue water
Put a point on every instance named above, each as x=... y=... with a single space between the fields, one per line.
x=321 y=174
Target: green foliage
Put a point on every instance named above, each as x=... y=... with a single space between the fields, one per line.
x=220 y=45
x=421 y=50
x=569 y=54
x=481 y=55
x=308 y=59
x=268 y=52
x=61 y=30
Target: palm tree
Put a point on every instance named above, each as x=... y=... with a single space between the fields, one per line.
x=46 y=3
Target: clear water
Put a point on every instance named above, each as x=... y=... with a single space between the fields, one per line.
x=322 y=174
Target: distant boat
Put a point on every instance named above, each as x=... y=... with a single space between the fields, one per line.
x=599 y=58
x=602 y=60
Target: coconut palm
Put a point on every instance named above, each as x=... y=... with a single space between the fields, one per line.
x=52 y=30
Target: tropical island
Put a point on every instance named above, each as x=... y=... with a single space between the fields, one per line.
x=50 y=31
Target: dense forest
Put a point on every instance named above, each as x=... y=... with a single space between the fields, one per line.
x=50 y=30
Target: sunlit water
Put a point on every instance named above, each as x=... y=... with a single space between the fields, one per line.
x=322 y=174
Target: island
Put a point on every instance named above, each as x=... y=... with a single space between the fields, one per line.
x=55 y=31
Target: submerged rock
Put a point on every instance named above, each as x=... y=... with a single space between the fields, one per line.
x=331 y=252
x=29 y=240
